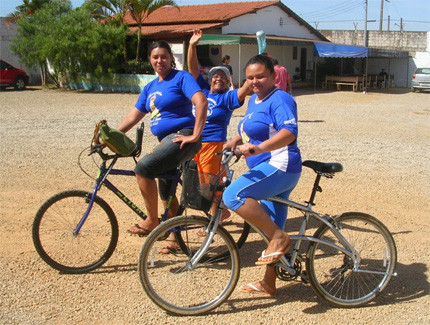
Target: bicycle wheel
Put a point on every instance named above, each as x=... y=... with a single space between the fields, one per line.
x=333 y=274
x=238 y=229
x=54 y=234
x=170 y=280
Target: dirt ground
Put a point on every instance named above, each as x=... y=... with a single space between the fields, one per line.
x=382 y=140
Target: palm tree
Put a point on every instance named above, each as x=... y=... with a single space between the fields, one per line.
x=112 y=11
x=141 y=9
x=27 y=8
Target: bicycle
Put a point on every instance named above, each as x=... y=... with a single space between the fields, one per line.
x=349 y=261
x=76 y=231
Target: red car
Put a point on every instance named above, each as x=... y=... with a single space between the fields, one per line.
x=12 y=77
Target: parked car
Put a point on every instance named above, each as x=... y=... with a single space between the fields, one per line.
x=12 y=77
x=421 y=79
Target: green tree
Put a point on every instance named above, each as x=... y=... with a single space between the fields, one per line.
x=110 y=11
x=28 y=7
x=70 y=41
x=141 y=9
x=33 y=28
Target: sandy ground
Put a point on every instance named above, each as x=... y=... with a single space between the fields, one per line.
x=382 y=140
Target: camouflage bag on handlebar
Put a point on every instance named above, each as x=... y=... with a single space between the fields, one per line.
x=115 y=140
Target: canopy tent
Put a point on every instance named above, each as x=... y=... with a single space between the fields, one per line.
x=219 y=40
x=331 y=50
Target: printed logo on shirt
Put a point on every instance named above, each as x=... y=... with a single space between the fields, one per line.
x=243 y=135
x=154 y=110
x=290 y=122
x=211 y=104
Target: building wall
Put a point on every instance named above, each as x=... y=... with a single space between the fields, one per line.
x=393 y=40
x=272 y=20
x=7 y=33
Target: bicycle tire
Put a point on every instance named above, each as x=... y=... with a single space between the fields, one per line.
x=242 y=230
x=54 y=238
x=331 y=272
x=177 y=288
x=239 y=231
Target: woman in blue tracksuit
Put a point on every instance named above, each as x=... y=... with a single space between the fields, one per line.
x=268 y=140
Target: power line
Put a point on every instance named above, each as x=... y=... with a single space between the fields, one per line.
x=332 y=10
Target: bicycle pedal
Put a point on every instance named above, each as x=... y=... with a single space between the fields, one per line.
x=304 y=277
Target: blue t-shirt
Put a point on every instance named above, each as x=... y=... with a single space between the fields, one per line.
x=220 y=110
x=169 y=103
x=263 y=120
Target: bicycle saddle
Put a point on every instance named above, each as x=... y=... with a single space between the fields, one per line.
x=320 y=167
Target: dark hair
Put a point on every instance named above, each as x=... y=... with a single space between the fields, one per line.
x=225 y=58
x=164 y=45
x=261 y=59
x=275 y=61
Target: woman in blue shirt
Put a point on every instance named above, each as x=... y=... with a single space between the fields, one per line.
x=268 y=140
x=221 y=104
x=169 y=99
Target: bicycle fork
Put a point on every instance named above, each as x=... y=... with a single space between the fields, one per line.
x=212 y=227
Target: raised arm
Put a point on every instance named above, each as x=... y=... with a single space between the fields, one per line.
x=243 y=91
x=192 y=60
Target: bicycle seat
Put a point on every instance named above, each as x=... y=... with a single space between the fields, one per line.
x=320 y=167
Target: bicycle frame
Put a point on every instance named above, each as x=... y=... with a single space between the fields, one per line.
x=308 y=212
x=101 y=179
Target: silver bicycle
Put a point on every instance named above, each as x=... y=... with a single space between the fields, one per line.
x=350 y=258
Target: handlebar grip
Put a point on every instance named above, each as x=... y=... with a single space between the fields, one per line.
x=238 y=153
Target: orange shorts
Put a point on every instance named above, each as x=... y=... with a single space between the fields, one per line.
x=207 y=162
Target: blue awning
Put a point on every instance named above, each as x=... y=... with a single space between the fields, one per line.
x=331 y=50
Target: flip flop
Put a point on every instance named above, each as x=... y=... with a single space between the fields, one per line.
x=167 y=250
x=277 y=256
x=140 y=231
x=254 y=289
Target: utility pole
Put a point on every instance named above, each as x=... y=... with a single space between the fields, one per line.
x=381 y=16
x=365 y=24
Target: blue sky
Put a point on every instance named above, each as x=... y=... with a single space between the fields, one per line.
x=329 y=14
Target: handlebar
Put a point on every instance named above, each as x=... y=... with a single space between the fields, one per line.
x=227 y=155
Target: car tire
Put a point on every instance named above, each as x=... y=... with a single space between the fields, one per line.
x=19 y=83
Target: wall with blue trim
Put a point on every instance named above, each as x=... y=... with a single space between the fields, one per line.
x=118 y=83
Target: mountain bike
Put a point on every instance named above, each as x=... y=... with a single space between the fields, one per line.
x=76 y=231
x=350 y=259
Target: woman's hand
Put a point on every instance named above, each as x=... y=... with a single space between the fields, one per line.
x=233 y=143
x=184 y=139
x=249 y=149
x=197 y=35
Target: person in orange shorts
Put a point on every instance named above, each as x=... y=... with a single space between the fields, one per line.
x=221 y=104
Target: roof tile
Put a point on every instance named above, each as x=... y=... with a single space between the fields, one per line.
x=220 y=12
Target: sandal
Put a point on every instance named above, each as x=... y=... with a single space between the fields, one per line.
x=170 y=250
x=138 y=230
x=273 y=257
x=252 y=288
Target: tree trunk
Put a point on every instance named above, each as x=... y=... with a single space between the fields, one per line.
x=138 y=43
